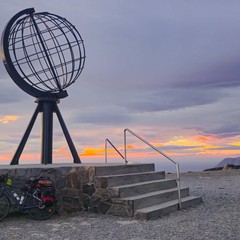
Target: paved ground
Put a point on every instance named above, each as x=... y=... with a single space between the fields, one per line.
x=217 y=218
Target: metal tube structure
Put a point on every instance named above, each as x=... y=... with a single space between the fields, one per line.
x=150 y=145
x=73 y=150
x=47 y=131
x=179 y=186
x=46 y=106
x=22 y=144
x=44 y=54
x=105 y=150
x=125 y=147
x=108 y=141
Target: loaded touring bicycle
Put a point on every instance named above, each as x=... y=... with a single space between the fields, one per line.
x=36 y=197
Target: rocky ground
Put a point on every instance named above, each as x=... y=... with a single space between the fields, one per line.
x=218 y=217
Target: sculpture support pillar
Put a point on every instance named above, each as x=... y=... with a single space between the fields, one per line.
x=46 y=106
x=47 y=132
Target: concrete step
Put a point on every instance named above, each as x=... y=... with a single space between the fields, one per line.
x=156 y=197
x=129 y=190
x=124 y=169
x=123 y=179
x=156 y=211
x=136 y=190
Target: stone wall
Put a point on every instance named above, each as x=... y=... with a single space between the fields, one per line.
x=69 y=181
x=77 y=187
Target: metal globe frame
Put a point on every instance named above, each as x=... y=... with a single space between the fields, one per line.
x=44 y=54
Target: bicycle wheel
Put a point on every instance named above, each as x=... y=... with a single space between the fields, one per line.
x=39 y=211
x=4 y=207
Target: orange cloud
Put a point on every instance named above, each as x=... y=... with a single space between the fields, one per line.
x=182 y=142
x=9 y=118
x=63 y=151
x=6 y=157
x=201 y=138
x=236 y=144
x=205 y=139
x=129 y=146
x=204 y=148
x=92 y=152
x=30 y=156
x=193 y=145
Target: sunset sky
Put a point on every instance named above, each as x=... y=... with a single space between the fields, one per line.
x=167 y=70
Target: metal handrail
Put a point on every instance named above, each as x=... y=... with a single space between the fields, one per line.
x=163 y=154
x=108 y=141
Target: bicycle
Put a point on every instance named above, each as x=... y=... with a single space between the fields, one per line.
x=40 y=202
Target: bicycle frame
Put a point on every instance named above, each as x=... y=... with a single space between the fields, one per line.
x=32 y=198
x=7 y=191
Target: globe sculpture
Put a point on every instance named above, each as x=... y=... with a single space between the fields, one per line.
x=44 y=54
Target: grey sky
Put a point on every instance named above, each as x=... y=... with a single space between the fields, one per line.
x=151 y=64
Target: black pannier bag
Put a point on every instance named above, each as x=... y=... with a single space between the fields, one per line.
x=45 y=187
x=43 y=183
x=48 y=196
x=38 y=182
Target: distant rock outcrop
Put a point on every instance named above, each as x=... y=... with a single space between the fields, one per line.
x=229 y=161
x=226 y=163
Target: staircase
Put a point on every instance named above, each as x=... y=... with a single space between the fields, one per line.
x=140 y=192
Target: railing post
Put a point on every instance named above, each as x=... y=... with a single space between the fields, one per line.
x=105 y=150
x=125 y=146
x=179 y=187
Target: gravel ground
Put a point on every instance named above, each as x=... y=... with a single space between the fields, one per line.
x=218 y=217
